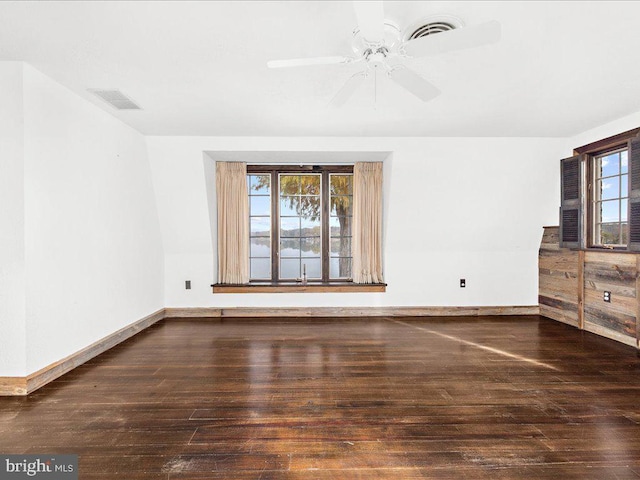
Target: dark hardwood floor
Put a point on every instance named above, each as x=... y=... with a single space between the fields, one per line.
x=372 y=398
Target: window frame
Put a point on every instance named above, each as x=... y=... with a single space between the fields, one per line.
x=324 y=170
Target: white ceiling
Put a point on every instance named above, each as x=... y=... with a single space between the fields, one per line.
x=199 y=68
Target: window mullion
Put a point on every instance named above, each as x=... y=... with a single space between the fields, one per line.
x=325 y=203
x=275 y=226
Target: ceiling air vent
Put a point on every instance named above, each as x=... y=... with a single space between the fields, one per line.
x=432 y=25
x=430 y=29
x=116 y=99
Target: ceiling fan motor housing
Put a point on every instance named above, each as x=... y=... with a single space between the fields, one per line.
x=391 y=38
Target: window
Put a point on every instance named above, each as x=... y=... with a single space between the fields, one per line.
x=300 y=223
x=300 y=219
x=609 y=198
x=259 y=188
x=600 y=195
x=340 y=224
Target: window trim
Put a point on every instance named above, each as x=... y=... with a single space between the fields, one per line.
x=275 y=170
x=607 y=143
x=261 y=286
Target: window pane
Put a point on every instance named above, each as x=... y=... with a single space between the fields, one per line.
x=310 y=184
x=610 y=233
x=310 y=206
x=260 y=205
x=314 y=267
x=260 y=226
x=289 y=184
x=310 y=226
x=610 y=165
x=340 y=226
x=260 y=268
x=259 y=184
x=624 y=187
x=290 y=227
x=341 y=246
x=624 y=162
x=260 y=247
x=289 y=205
x=290 y=268
x=340 y=268
x=625 y=233
x=341 y=184
x=623 y=211
x=341 y=205
x=290 y=247
x=310 y=247
x=610 y=188
x=610 y=211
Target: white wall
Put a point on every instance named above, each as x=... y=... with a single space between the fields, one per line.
x=12 y=260
x=610 y=129
x=94 y=258
x=455 y=208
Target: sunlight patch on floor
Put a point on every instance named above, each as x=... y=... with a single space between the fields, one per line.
x=478 y=345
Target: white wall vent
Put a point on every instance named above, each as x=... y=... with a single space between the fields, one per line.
x=116 y=99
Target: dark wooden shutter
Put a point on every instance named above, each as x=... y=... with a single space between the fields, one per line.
x=571 y=204
x=634 y=194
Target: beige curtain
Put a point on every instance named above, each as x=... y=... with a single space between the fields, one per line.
x=233 y=222
x=366 y=243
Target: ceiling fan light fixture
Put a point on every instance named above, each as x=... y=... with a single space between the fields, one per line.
x=390 y=38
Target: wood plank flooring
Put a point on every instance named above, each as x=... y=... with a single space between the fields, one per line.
x=315 y=399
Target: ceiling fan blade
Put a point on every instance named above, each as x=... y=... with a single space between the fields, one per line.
x=370 y=15
x=457 y=39
x=347 y=89
x=303 y=62
x=414 y=83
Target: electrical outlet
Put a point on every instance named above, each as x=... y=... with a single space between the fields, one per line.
x=606 y=296
x=187 y=284
x=463 y=283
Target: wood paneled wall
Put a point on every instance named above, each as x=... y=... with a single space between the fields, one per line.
x=572 y=285
x=558 y=279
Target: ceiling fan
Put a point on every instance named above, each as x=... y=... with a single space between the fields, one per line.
x=380 y=46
